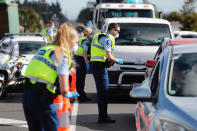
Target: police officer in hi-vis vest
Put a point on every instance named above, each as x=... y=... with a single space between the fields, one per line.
x=102 y=49
x=81 y=59
x=48 y=32
x=48 y=70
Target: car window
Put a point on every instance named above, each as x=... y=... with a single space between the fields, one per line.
x=6 y=48
x=183 y=71
x=188 y=36
x=29 y=47
x=155 y=79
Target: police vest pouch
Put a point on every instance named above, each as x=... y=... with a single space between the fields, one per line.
x=109 y=63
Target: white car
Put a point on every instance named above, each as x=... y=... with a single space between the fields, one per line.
x=185 y=34
x=138 y=42
x=16 y=50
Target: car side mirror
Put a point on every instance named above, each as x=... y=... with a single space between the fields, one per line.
x=141 y=94
x=150 y=63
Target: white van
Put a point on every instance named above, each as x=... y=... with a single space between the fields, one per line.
x=138 y=42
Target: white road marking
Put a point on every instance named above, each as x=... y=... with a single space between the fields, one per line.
x=20 y=123
x=74 y=115
x=13 y=122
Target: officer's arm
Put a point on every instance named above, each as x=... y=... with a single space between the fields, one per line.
x=64 y=85
x=110 y=56
x=85 y=50
x=85 y=56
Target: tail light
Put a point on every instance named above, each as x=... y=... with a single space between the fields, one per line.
x=150 y=63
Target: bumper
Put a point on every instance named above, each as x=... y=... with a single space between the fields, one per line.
x=121 y=82
x=125 y=79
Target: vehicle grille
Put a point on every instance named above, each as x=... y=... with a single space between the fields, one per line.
x=127 y=79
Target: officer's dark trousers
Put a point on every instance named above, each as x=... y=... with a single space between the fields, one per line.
x=81 y=75
x=41 y=114
x=102 y=81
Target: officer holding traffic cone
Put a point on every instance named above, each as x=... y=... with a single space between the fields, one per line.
x=48 y=67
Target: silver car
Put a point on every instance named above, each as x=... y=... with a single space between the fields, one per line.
x=167 y=102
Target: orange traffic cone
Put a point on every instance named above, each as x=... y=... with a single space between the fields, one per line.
x=65 y=120
x=73 y=83
x=58 y=101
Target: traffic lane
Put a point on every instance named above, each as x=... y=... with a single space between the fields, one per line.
x=123 y=113
x=122 y=110
x=11 y=112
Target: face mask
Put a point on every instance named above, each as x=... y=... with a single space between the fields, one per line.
x=117 y=35
x=74 y=48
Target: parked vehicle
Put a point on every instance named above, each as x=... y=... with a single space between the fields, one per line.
x=185 y=34
x=139 y=40
x=16 y=50
x=165 y=98
x=113 y=10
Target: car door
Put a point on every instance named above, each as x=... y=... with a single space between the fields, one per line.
x=145 y=109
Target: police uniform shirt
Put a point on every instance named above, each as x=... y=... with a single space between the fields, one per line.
x=63 y=67
x=50 y=32
x=104 y=41
x=86 y=45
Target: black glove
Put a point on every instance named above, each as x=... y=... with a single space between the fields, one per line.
x=109 y=63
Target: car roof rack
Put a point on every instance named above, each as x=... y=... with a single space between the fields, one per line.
x=12 y=34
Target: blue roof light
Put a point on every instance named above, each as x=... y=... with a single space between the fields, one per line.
x=135 y=1
x=11 y=37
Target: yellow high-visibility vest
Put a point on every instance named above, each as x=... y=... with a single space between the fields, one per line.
x=97 y=50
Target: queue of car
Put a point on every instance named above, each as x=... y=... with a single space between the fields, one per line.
x=167 y=97
x=16 y=50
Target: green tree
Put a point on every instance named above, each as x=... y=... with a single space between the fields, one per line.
x=189 y=7
x=30 y=20
x=186 y=17
x=85 y=15
x=173 y=16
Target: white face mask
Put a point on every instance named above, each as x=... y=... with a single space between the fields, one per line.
x=74 y=48
x=117 y=35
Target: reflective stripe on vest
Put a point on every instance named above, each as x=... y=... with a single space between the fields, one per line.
x=97 y=50
x=46 y=35
x=45 y=61
x=42 y=69
x=79 y=51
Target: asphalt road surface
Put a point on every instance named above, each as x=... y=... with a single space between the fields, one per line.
x=83 y=117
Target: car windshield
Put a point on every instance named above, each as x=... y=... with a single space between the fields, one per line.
x=111 y=13
x=29 y=47
x=142 y=34
x=182 y=76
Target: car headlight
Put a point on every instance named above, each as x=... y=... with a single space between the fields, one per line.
x=171 y=126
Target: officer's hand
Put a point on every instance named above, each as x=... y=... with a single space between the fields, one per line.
x=87 y=67
x=119 y=61
x=71 y=95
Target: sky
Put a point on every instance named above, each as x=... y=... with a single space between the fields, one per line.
x=71 y=8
